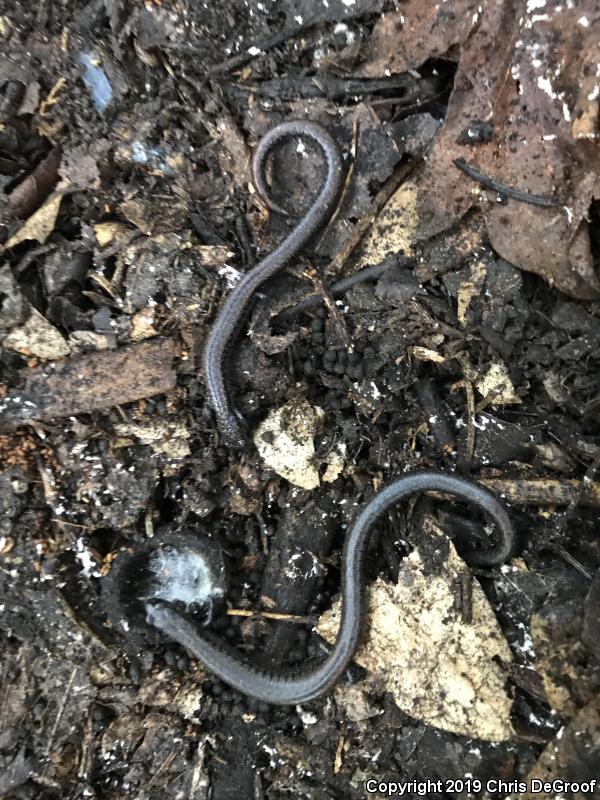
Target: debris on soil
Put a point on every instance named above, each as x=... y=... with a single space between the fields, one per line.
x=447 y=317
x=537 y=96
x=570 y=674
x=546 y=492
x=570 y=757
x=285 y=441
x=40 y=224
x=85 y=383
x=591 y=618
x=439 y=668
x=37 y=337
x=496 y=386
x=166 y=437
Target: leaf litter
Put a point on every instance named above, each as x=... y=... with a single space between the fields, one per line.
x=439 y=668
x=124 y=262
x=538 y=94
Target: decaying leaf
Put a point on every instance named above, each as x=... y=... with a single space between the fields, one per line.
x=37 y=337
x=496 y=385
x=569 y=674
x=440 y=669
x=285 y=441
x=142 y=324
x=106 y=232
x=420 y=30
x=470 y=288
x=527 y=74
x=164 y=437
x=395 y=229
x=571 y=756
x=160 y=691
x=40 y=224
x=334 y=467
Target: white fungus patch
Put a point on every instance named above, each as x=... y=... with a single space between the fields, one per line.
x=545 y=85
x=182 y=575
x=231 y=275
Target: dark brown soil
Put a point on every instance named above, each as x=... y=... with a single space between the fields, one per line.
x=127 y=129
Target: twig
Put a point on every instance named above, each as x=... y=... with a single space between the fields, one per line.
x=564 y=554
x=546 y=492
x=258 y=50
x=163 y=767
x=467 y=382
x=339 y=288
x=242 y=612
x=502 y=188
x=61 y=711
x=389 y=188
x=466 y=596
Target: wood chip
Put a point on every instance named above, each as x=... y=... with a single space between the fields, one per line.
x=87 y=383
x=546 y=492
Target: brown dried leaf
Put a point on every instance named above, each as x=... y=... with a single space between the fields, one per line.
x=532 y=75
x=422 y=29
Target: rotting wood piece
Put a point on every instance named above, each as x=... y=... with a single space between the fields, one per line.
x=90 y=382
x=545 y=491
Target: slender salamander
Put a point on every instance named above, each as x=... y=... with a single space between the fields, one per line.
x=233 y=309
x=301 y=686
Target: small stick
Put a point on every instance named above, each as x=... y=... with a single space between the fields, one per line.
x=253 y=52
x=388 y=189
x=463 y=360
x=502 y=188
x=60 y=712
x=242 y=612
x=338 y=288
x=466 y=595
x=545 y=492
